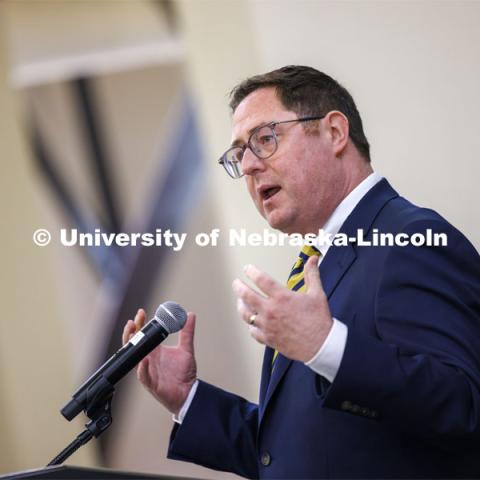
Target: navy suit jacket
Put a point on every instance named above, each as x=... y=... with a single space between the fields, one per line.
x=405 y=402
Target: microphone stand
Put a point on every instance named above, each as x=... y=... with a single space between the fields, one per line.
x=100 y=413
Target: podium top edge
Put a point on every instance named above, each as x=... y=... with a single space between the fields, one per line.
x=80 y=473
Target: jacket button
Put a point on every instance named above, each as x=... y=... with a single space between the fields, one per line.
x=346 y=406
x=266 y=459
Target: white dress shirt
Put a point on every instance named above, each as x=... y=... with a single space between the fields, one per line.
x=327 y=360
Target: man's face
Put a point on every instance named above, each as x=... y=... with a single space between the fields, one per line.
x=297 y=188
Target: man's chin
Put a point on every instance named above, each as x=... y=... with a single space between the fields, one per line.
x=280 y=223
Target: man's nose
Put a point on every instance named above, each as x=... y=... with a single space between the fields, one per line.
x=251 y=163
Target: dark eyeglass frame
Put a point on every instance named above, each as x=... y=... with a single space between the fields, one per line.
x=223 y=159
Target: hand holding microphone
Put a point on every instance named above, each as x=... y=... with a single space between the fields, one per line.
x=168 y=373
x=98 y=388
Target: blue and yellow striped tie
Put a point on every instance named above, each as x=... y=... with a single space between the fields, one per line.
x=295 y=280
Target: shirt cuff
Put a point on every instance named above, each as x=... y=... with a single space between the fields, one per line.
x=327 y=360
x=183 y=411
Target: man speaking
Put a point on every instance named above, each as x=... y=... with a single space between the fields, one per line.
x=372 y=359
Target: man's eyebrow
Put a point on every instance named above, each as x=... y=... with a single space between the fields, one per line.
x=239 y=143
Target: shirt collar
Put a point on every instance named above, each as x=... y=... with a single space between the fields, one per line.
x=345 y=208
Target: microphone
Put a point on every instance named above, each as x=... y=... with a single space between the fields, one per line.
x=170 y=317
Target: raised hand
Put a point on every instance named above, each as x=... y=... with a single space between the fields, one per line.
x=168 y=373
x=294 y=323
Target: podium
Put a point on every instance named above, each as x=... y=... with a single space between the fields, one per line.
x=67 y=472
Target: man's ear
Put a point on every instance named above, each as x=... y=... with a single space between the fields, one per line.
x=337 y=124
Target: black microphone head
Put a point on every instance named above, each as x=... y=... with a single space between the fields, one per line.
x=171 y=316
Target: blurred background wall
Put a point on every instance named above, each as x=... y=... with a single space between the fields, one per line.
x=113 y=114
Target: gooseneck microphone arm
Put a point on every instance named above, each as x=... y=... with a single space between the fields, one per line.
x=94 y=397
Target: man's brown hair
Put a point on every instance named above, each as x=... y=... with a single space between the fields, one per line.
x=307 y=91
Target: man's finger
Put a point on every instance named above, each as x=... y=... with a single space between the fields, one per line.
x=244 y=311
x=257 y=334
x=128 y=330
x=140 y=319
x=249 y=296
x=187 y=333
x=312 y=275
x=263 y=281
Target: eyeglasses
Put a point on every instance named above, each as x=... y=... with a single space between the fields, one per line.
x=263 y=143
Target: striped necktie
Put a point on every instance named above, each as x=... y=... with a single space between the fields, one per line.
x=296 y=279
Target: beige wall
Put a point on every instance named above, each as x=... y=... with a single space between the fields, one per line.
x=411 y=66
x=414 y=70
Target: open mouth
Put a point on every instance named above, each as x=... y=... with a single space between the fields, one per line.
x=269 y=192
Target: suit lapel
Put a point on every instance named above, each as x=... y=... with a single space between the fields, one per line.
x=336 y=263
x=266 y=373
x=334 y=266
x=339 y=259
x=271 y=378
